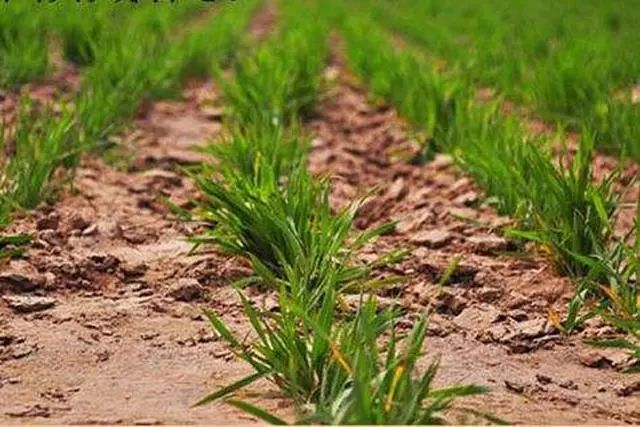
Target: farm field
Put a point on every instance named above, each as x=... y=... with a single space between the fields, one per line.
x=364 y=212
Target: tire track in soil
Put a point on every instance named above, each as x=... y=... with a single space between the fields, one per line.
x=490 y=322
x=125 y=340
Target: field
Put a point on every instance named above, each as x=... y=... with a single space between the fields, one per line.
x=320 y=212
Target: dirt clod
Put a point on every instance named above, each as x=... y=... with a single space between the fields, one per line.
x=20 y=277
x=629 y=389
x=6 y=339
x=543 y=379
x=514 y=386
x=467 y=199
x=415 y=220
x=79 y=222
x=49 y=222
x=450 y=302
x=186 y=290
x=212 y=113
x=529 y=329
x=477 y=317
x=432 y=238
x=488 y=244
x=594 y=359
x=146 y=422
x=568 y=384
x=29 y=411
x=21 y=350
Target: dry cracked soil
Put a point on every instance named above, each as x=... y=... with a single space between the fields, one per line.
x=102 y=321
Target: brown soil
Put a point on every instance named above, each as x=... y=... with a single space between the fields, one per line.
x=264 y=21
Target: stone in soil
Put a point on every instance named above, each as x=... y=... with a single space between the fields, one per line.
x=29 y=303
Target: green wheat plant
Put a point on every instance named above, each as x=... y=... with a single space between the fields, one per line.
x=292 y=349
x=572 y=215
x=428 y=100
x=283 y=226
x=111 y=94
x=24 y=51
x=559 y=207
x=252 y=151
x=259 y=199
x=385 y=386
x=280 y=83
x=13 y=246
x=260 y=202
x=40 y=146
x=566 y=68
x=344 y=376
x=613 y=280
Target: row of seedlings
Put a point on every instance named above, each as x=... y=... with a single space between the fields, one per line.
x=261 y=203
x=32 y=36
x=42 y=142
x=576 y=67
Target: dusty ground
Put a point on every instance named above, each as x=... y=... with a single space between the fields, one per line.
x=102 y=322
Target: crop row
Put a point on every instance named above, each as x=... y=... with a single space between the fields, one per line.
x=261 y=203
x=30 y=34
x=557 y=202
x=119 y=70
x=573 y=63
